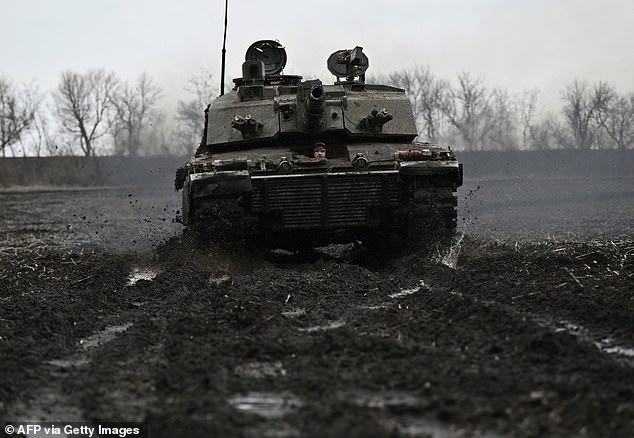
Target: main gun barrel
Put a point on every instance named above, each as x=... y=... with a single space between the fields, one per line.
x=315 y=100
x=313 y=104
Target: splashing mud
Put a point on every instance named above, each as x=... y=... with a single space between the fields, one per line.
x=138 y=274
x=450 y=254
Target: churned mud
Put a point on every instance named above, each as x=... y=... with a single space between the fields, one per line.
x=522 y=326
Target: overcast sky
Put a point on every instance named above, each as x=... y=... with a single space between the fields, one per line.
x=517 y=44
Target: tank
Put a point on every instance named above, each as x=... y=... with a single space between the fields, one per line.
x=293 y=162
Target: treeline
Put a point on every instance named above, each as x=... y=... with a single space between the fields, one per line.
x=98 y=113
x=471 y=116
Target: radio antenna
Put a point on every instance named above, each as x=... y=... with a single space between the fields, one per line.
x=224 y=51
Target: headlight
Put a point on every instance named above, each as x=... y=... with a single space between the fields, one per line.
x=285 y=166
x=360 y=162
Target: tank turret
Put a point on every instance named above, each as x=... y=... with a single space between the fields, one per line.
x=294 y=161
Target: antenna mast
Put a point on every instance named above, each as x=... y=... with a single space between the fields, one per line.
x=224 y=51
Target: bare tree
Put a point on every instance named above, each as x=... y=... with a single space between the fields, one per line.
x=467 y=109
x=425 y=92
x=527 y=110
x=581 y=108
x=550 y=133
x=190 y=113
x=17 y=111
x=159 y=140
x=84 y=102
x=540 y=136
x=39 y=137
x=133 y=106
x=617 y=119
x=502 y=121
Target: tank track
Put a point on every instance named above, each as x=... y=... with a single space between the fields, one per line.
x=434 y=212
x=432 y=209
x=218 y=220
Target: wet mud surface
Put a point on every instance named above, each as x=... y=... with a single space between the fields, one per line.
x=523 y=326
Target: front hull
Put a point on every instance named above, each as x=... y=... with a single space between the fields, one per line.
x=312 y=208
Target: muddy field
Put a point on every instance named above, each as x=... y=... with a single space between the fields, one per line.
x=522 y=327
